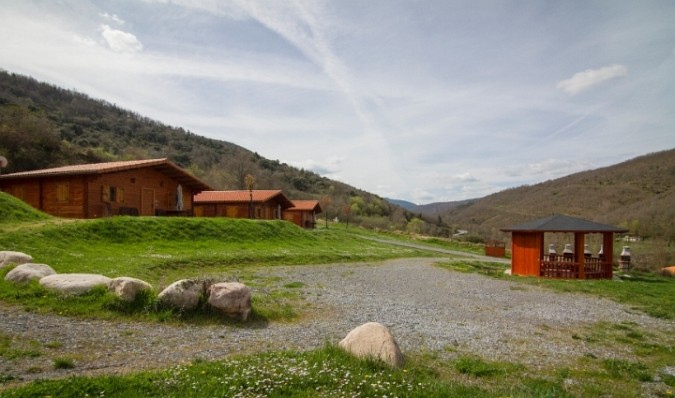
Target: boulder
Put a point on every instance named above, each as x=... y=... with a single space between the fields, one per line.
x=28 y=271
x=8 y=257
x=127 y=288
x=373 y=340
x=183 y=294
x=75 y=284
x=231 y=298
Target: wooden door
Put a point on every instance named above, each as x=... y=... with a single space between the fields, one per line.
x=148 y=202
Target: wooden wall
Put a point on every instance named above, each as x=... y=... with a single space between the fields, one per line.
x=262 y=211
x=526 y=249
x=84 y=196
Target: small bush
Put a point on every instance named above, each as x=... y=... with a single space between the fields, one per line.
x=63 y=363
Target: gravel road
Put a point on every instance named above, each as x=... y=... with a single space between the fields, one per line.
x=426 y=307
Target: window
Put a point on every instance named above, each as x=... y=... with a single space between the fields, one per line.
x=111 y=194
x=63 y=192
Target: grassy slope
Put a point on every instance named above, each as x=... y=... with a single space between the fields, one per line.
x=161 y=250
x=13 y=210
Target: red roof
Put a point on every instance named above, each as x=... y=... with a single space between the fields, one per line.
x=243 y=196
x=306 y=205
x=163 y=165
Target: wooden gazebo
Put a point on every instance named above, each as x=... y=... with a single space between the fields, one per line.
x=529 y=258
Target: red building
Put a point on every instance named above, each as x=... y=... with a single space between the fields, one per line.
x=137 y=187
x=303 y=213
x=259 y=204
x=529 y=258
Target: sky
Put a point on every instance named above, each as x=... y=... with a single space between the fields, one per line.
x=424 y=101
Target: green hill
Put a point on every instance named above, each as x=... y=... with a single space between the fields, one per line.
x=638 y=194
x=42 y=126
x=13 y=210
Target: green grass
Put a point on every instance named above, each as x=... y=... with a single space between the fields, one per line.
x=325 y=372
x=163 y=250
x=648 y=292
x=13 y=210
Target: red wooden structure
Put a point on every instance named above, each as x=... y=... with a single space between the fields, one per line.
x=137 y=187
x=529 y=258
x=303 y=213
x=259 y=204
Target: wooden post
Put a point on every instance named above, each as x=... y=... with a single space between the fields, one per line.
x=579 y=253
x=608 y=249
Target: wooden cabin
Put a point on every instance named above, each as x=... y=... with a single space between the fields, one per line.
x=303 y=213
x=258 y=204
x=137 y=187
x=528 y=256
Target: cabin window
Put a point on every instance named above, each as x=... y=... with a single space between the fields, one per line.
x=111 y=194
x=258 y=212
x=63 y=192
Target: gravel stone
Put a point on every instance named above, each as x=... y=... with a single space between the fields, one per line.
x=424 y=306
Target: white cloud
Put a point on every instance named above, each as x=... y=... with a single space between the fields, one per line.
x=330 y=165
x=591 y=77
x=112 y=17
x=119 y=41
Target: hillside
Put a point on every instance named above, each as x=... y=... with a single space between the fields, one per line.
x=638 y=194
x=46 y=126
x=14 y=210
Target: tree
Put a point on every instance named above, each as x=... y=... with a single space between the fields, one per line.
x=249 y=180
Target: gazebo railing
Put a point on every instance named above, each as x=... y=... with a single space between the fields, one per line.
x=559 y=266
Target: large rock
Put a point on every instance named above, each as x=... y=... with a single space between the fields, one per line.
x=373 y=340
x=9 y=257
x=231 y=298
x=127 y=288
x=28 y=271
x=183 y=294
x=75 y=284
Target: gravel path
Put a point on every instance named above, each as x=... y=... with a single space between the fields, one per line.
x=426 y=307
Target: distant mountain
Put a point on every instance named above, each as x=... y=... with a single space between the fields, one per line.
x=638 y=194
x=410 y=206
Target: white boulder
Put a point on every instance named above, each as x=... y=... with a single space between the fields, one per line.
x=28 y=271
x=9 y=257
x=373 y=340
x=75 y=284
x=231 y=298
x=127 y=288
x=183 y=294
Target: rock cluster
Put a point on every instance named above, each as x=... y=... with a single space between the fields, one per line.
x=18 y=258
x=232 y=299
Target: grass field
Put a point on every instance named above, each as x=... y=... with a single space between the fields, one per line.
x=162 y=250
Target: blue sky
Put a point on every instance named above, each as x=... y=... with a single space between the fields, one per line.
x=418 y=100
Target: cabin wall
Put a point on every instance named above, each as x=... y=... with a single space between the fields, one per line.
x=525 y=253
x=57 y=196
x=92 y=196
x=261 y=211
x=146 y=190
x=26 y=190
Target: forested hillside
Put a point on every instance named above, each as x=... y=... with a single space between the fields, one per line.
x=46 y=126
x=638 y=194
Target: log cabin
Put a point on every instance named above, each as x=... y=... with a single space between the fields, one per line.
x=257 y=204
x=303 y=213
x=137 y=187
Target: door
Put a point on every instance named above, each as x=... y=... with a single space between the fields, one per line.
x=148 y=202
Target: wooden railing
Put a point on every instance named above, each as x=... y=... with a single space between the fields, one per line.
x=558 y=266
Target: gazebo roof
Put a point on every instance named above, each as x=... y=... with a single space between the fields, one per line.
x=562 y=223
